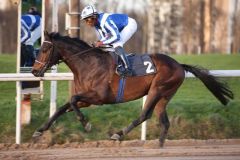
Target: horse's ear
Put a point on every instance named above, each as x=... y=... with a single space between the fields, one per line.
x=46 y=35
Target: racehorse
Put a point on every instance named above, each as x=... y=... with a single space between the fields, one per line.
x=97 y=83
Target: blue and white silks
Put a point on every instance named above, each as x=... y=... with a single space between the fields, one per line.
x=30 y=29
x=115 y=29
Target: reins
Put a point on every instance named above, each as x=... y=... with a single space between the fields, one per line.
x=85 y=51
x=74 y=55
x=45 y=65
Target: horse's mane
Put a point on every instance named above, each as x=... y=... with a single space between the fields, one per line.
x=75 y=41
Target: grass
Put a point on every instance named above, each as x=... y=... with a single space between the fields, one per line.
x=193 y=111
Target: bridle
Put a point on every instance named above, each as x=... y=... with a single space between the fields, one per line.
x=46 y=64
x=42 y=63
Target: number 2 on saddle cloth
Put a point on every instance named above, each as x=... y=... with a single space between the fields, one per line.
x=140 y=64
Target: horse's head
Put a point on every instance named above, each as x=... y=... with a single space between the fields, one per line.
x=46 y=58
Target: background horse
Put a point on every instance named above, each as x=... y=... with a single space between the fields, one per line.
x=97 y=83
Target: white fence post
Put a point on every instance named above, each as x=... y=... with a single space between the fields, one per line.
x=18 y=83
x=144 y=124
x=53 y=95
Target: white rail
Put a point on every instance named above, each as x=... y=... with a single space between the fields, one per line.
x=30 y=77
x=220 y=73
x=69 y=76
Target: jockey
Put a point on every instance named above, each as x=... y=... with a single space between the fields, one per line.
x=112 y=29
x=30 y=33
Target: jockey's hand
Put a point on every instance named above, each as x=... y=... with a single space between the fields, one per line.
x=98 y=44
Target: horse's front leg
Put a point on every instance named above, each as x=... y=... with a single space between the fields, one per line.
x=47 y=125
x=75 y=105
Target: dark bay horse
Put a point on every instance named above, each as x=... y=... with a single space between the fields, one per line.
x=97 y=83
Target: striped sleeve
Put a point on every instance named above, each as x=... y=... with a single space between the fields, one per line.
x=100 y=34
x=115 y=35
x=25 y=32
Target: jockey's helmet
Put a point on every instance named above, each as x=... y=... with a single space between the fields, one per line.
x=34 y=11
x=88 y=11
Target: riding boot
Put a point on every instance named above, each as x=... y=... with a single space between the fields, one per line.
x=120 y=52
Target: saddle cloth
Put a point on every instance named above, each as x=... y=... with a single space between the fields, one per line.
x=141 y=64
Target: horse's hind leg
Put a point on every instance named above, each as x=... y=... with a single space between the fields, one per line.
x=160 y=108
x=161 y=113
x=47 y=125
x=150 y=103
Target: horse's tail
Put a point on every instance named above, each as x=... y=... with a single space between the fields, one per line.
x=220 y=90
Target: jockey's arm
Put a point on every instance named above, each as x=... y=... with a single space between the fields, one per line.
x=25 y=35
x=114 y=32
x=100 y=35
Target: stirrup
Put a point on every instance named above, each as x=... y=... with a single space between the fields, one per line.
x=128 y=72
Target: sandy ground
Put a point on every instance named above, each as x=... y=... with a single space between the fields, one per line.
x=228 y=149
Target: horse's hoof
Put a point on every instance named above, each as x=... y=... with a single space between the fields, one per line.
x=36 y=134
x=161 y=145
x=116 y=137
x=88 y=127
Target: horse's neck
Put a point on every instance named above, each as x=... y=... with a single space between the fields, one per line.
x=89 y=61
x=80 y=57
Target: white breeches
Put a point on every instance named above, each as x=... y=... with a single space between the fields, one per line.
x=126 y=33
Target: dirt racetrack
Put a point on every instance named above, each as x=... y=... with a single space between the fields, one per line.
x=227 y=149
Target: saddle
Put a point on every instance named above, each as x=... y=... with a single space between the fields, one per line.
x=140 y=64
